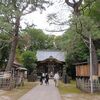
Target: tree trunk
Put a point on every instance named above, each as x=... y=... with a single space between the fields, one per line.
x=12 y=53
x=13 y=45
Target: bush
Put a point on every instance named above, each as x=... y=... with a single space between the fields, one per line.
x=29 y=61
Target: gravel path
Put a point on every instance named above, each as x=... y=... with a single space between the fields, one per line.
x=43 y=92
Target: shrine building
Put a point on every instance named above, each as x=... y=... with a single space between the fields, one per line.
x=50 y=61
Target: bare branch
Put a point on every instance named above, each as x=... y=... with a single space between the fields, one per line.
x=74 y=1
x=75 y=5
x=70 y=4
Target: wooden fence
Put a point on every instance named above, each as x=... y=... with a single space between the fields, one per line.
x=7 y=83
x=85 y=85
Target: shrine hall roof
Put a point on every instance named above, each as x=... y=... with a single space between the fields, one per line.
x=43 y=55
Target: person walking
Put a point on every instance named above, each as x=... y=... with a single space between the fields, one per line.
x=56 y=78
x=47 y=79
x=41 y=79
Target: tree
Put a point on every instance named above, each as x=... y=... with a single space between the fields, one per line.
x=50 y=42
x=4 y=49
x=34 y=39
x=11 y=12
x=29 y=59
x=79 y=29
x=37 y=39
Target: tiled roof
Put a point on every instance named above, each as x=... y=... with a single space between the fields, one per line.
x=42 y=55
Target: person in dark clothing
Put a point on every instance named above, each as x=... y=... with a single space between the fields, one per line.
x=47 y=79
x=41 y=79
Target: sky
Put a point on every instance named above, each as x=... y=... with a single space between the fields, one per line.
x=41 y=20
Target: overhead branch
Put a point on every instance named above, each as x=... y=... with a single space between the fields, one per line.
x=75 y=5
x=70 y=4
x=74 y=1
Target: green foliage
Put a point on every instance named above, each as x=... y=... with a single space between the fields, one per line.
x=94 y=11
x=4 y=53
x=74 y=48
x=50 y=42
x=11 y=13
x=4 y=49
x=72 y=41
x=6 y=16
x=84 y=25
x=28 y=60
x=35 y=39
x=81 y=27
x=60 y=43
x=4 y=36
x=75 y=54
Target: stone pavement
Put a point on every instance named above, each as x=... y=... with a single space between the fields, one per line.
x=43 y=92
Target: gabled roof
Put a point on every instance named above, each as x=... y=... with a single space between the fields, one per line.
x=45 y=54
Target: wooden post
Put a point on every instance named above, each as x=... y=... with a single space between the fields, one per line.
x=91 y=70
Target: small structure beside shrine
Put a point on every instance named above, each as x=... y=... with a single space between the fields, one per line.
x=9 y=80
x=19 y=73
x=83 y=77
